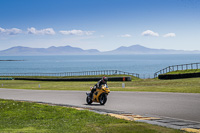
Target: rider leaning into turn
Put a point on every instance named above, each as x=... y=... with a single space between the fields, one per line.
x=98 y=85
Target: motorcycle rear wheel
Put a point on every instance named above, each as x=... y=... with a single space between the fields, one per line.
x=88 y=100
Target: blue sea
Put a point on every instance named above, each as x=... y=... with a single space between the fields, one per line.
x=145 y=65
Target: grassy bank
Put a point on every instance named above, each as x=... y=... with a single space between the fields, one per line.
x=190 y=85
x=20 y=117
x=184 y=71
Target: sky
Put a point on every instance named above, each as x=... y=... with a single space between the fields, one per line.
x=100 y=24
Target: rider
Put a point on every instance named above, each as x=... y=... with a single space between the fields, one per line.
x=98 y=85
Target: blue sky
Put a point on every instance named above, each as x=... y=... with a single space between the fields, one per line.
x=100 y=24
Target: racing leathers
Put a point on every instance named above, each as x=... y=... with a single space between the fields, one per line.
x=98 y=85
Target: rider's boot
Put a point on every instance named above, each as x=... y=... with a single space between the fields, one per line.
x=92 y=92
x=91 y=95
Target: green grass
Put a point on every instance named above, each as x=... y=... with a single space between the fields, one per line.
x=190 y=85
x=25 y=117
x=184 y=71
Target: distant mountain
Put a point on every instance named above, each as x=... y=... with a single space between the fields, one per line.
x=68 y=50
x=62 y=50
x=138 y=49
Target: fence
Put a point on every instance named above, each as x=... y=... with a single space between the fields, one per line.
x=177 y=67
x=84 y=73
x=146 y=76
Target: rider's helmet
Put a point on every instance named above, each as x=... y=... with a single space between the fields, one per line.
x=104 y=79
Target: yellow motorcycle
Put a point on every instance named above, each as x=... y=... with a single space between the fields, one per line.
x=100 y=95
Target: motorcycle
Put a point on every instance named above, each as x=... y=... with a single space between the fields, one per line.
x=100 y=95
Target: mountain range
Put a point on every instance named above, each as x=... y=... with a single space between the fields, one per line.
x=68 y=50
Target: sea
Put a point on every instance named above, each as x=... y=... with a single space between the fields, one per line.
x=145 y=65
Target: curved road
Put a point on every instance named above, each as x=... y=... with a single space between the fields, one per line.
x=185 y=106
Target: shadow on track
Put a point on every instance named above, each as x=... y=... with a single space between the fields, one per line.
x=93 y=104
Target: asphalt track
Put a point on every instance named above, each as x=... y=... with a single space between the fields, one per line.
x=184 y=106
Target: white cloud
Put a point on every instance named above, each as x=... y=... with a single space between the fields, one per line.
x=126 y=35
x=12 y=31
x=77 y=32
x=149 y=33
x=169 y=35
x=47 y=31
x=2 y=30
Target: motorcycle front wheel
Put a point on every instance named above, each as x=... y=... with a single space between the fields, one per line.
x=103 y=99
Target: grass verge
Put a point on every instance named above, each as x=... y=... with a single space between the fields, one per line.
x=21 y=117
x=190 y=85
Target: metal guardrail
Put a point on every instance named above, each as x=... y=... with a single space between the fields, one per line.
x=83 y=73
x=110 y=72
x=177 y=67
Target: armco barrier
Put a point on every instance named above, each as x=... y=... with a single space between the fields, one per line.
x=78 y=79
x=5 y=78
x=178 y=76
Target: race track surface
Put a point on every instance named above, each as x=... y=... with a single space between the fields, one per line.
x=185 y=106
